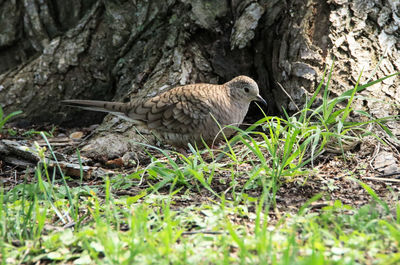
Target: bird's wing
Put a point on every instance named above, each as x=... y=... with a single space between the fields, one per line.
x=180 y=110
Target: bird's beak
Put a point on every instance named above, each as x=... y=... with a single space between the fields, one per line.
x=259 y=98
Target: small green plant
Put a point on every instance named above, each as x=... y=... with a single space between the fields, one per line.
x=333 y=120
x=12 y=132
x=287 y=145
x=4 y=119
x=33 y=132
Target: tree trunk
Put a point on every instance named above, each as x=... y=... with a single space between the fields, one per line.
x=118 y=50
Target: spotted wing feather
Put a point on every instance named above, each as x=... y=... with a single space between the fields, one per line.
x=180 y=110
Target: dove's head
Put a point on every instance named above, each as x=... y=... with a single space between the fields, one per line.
x=244 y=89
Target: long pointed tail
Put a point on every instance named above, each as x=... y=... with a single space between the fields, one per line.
x=96 y=105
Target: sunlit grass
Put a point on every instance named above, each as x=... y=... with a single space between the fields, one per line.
x=150 y=231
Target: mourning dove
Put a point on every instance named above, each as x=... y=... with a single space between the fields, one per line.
x=186 y=114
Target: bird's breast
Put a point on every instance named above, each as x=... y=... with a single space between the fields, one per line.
x=230 y=112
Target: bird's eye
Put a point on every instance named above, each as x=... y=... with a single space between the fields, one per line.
x=246 y=89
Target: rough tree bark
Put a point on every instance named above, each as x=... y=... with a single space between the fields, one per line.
x=116 y=50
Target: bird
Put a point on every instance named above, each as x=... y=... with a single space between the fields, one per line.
x=188 y=114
